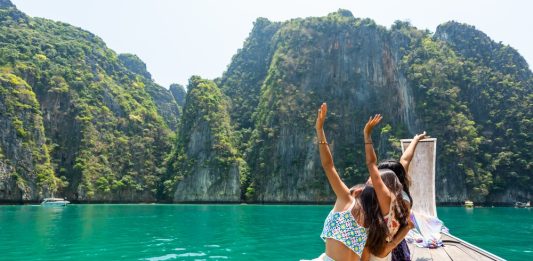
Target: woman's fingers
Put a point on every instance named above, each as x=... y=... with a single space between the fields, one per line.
x=375 y=120
x=422 y=136
x=321 y=115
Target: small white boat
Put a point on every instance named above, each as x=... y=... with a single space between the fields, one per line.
x=469 y=204
x=54 y=202
x=522 y=204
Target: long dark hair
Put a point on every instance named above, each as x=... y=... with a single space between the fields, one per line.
x=374 y=222
x=401 y=211
x=377 y=227
x=400 y=172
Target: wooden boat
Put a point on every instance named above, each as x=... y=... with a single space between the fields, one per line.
x=422 y=171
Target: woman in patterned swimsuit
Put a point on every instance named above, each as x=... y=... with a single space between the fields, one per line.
x=345 y=228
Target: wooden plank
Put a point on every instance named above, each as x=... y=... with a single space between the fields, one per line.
x=421 y=254
x=439 y=254
x=454 y=249
x=473 y=251
x=474 y=254
x=456 y=254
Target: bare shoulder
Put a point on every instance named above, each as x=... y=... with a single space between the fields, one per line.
x=343 y=204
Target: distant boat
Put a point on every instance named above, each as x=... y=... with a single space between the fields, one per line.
x=54 y=202
x=522 y=204
x=469 y=204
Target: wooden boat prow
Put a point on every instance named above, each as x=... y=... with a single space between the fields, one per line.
x=422 y=171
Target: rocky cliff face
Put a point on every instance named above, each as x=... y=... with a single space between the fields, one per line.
x=80 y=121
x=418 y=81
x=247 y=71
x=498 y=93
x=106 y=138
x=206 y=160
x=179 y=94
x=25 y=170
x=164 y=101
x=349 y=63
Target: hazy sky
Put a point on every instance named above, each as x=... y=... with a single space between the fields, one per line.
x=178 y=38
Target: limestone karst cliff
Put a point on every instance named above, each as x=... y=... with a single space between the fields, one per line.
x=79 y=120
x=458 y=84
x=206 y=162
x=79 y=123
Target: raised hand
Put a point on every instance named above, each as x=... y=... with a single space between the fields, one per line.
x=321 y=117
x=421 y=136
x=341 y=190
x=382 y=192
x=409 y=153
x=372 y=122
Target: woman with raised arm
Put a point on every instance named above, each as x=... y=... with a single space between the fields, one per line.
x=395 y=214
x=401 y=169
x=345 y=228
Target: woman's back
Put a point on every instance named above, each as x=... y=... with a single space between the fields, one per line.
x=345 y=238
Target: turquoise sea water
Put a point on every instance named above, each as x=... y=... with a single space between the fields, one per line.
x=218 y=232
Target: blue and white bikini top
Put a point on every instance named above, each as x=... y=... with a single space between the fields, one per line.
x=343 y=227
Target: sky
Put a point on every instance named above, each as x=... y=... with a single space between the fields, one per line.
x=178 y=38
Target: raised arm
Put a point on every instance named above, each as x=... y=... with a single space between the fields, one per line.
x=341 y=190
x=383 y=193
x=407 y=156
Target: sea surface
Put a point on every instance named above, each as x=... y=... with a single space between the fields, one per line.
x=219 y=232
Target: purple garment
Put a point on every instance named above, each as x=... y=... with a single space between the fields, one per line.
x=401 y=252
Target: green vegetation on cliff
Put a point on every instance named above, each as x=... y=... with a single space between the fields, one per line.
x=102 y=127
x=498 y=90
x=471 y=93
x=179 y=93
x=80 y=121
x=206 y=165
x=25 y=168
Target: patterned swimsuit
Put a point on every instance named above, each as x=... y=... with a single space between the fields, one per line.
x=401 y=252
x=343 y=227
x=392 y=223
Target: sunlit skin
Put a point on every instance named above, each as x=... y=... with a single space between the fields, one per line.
x=408 y=154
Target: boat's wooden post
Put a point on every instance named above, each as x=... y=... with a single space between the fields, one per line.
x=422 y=171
